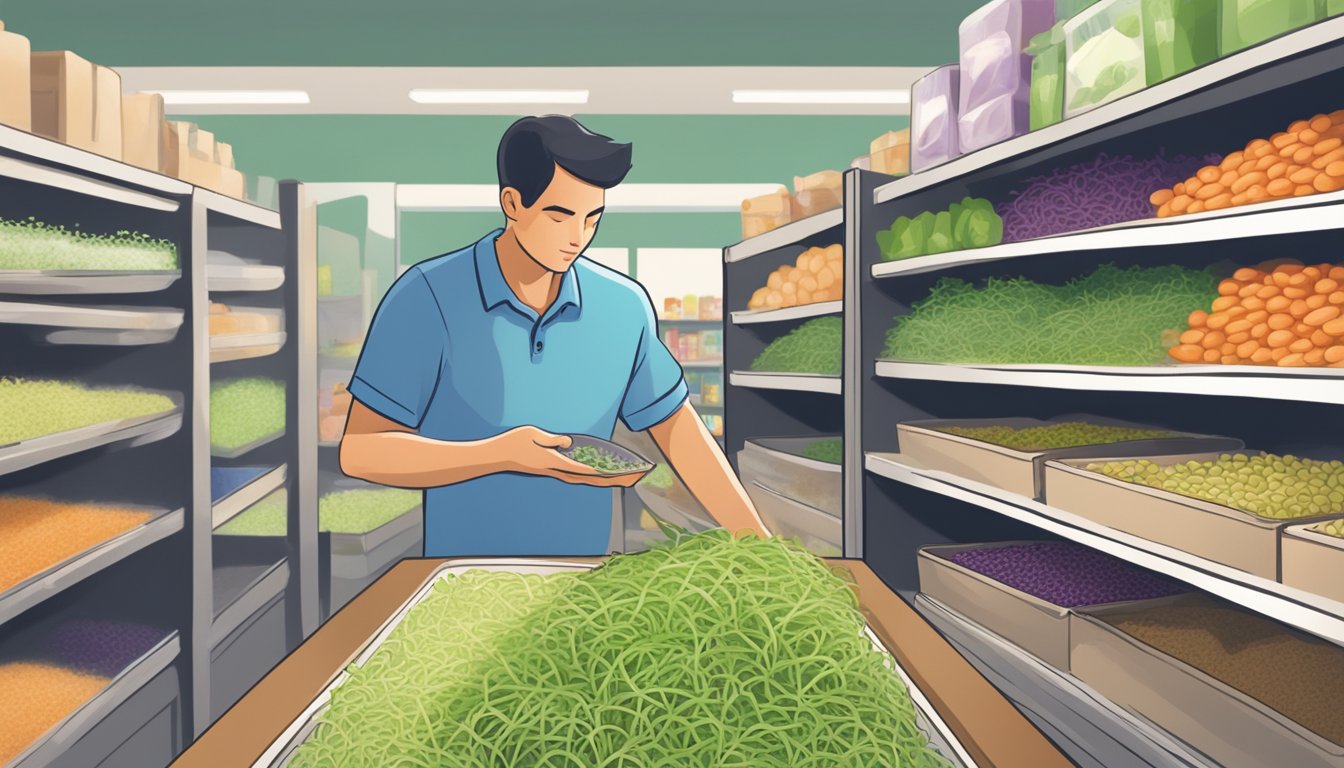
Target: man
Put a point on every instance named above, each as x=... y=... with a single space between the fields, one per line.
x=481 y=362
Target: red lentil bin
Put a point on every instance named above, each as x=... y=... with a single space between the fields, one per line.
x=1297 y=675
x=36 y=534
x=35 y=697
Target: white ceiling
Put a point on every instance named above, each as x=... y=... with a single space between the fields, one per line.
x=613 y=90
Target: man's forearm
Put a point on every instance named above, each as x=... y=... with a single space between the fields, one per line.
x=407 y=460
x=701 y=465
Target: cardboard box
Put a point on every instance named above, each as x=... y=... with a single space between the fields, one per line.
x=1222 y=534
x=1233 y=728
x=16 y=97
x=202 y=173
x=764 y=213
x=817 y=193
x=176 y=148
x=202 y=143
x=142 y=133
x=1312 y=561
x=106 y=112
x=62 y=97
x=224 y=154
x=232 y=182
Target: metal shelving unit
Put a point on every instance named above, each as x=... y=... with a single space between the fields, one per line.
x=111 y=328
x=263 y=590
x=906 y=506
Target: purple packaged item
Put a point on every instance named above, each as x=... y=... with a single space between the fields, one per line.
x=995 y=73
x=1066 y=574
x=933 y=118
x=102 y=647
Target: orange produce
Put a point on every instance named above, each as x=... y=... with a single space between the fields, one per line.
x=817 y=275
x=35 y=697
x=1277 y=313
x=1306 y=159
x=36 y=534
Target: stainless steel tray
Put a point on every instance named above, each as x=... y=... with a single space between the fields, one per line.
x=280 y=751
x=81 y=281
x=106 y=325
x=245 y=345
x=242 y=450
x=137 y=431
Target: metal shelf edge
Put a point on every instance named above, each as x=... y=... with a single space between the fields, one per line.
x=829 y=385
x=238 y=209
x=784 y=236
x=801 y=312
x=235 y=503
x=1286 y=604
x=271 y=585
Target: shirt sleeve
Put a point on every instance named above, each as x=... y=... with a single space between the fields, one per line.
x=657 y=387
x=399 y=367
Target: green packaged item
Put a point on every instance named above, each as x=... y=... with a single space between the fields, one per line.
x=1067 y=9
x=972 y=223
x=1045 y=100
x=1247 y=22
x=1104 y=52
x=1178 y=35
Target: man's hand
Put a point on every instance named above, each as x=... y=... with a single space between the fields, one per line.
x=534 y=451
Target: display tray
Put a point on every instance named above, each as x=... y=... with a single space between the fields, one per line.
x=819 y=531
x=778 y=463
x=1313 y=562
x=282 y=749
x=1023 y=472
x=138 y=431
x=243 y=589
x=1092 y=730
x=236 y=501
x=363 y=543
x=105 y=325
x=226 y=273
x=242 y=346
x=824 y=383
x=242 y=450
x=674 y=510
x=368 y=564
x=1229 y=726
x=784 y=314
x=74 y=569
x=629 y=477
x=84 y=281
x=49 y=747
x=1036 y=626
x=1224 y=535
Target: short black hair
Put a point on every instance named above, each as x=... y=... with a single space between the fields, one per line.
x=533 y=146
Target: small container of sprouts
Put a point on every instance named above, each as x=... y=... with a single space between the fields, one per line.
x=608 y=458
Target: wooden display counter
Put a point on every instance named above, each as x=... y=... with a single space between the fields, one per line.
x=987 y=725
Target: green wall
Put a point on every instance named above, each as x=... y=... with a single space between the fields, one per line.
x=461 y=149
x=519 y=33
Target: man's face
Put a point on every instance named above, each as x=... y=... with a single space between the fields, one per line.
x=561 y=223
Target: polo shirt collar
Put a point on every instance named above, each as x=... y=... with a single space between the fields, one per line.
x=495 y=291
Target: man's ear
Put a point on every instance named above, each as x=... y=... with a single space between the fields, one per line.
x=511 y=202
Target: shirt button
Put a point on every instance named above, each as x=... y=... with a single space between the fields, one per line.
x=538 y=346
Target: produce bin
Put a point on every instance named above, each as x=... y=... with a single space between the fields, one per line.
x=133 y=721
x=1022 y=472
x=1243 y=23
x=819 y=531
x=1222 y=534
x=933 y=118
x=246 y=654
x=995 y=73
x=1313 y=561
x=357 y=560
x=140 y=430
x=779 y=463
x=1178 y=35
x=1232 y=727
x=146 y=730
x=279 y=752
x=1104 y=51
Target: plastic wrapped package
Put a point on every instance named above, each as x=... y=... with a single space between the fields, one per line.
x=15 y=80
x=1104 y=53
x=820 y=192
x=1046 y=99
x=890 y=153
x=934 y=100
x=995 y=73
x=1247 y=22
x=767 y=212
x=1178 y=35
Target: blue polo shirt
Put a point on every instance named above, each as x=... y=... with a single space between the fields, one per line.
x=454 y=354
